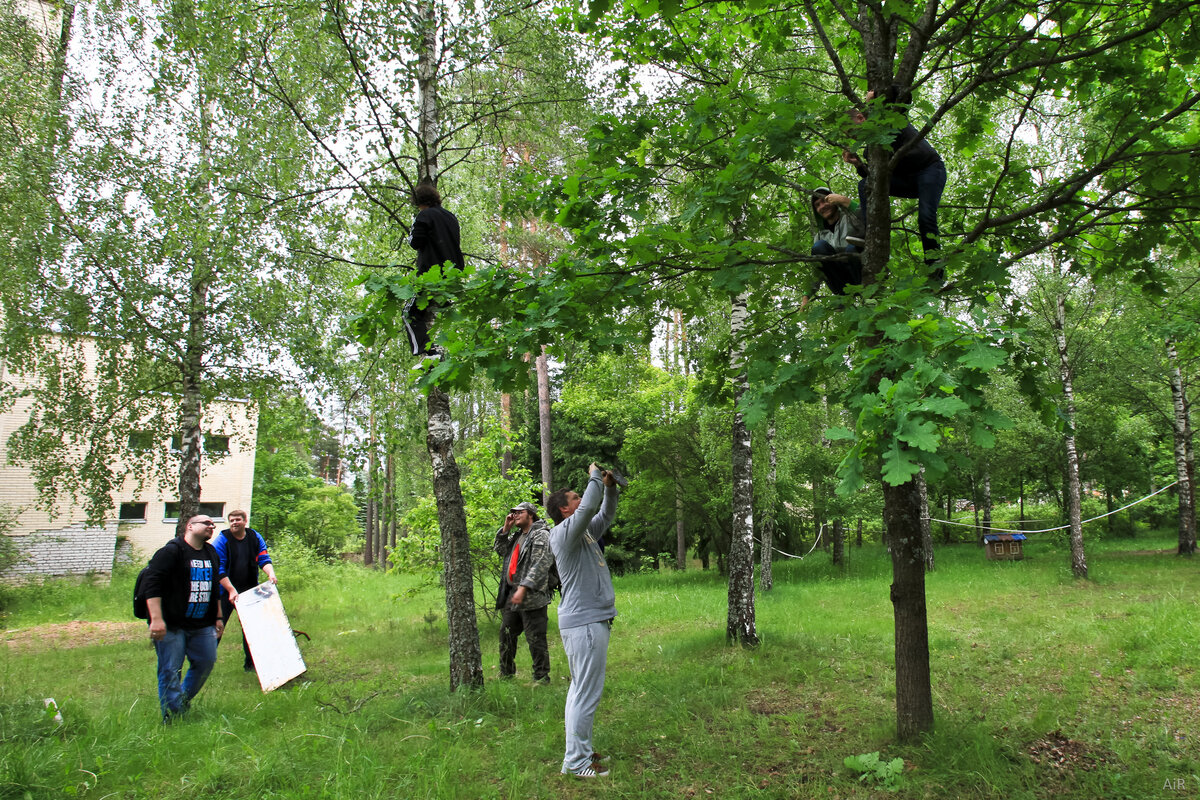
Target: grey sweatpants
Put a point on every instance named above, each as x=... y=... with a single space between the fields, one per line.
x=586 y=647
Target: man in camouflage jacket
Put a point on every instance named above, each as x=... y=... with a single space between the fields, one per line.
x=523 y=544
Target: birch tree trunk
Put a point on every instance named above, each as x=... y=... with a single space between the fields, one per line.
x=1185 y=465
x=466 y=660
x=372 y=492
x=987 y=495
x=766 y=578
x=926 y=525
x=1073 y=489
x=195 y=342
x=741 y=626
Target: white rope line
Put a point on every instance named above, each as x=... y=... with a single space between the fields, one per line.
x=1060 y=527
x=816 y=541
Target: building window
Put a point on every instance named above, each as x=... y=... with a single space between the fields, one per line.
x=141 y=441
x=216 y=444
x=133 y=512
x=213 y=443
x=214 y=510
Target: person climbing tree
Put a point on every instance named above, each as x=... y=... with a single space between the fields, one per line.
x=435 y=237
x=919 y=172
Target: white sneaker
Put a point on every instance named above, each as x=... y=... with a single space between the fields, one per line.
x=593 y=771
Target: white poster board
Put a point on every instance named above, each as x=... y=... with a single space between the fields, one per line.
x=276 y=656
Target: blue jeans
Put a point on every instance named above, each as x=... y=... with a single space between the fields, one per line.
x=927 y=187
x=586 y=647
x=200 y=648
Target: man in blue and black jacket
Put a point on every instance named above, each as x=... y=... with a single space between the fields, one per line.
x=243 y=552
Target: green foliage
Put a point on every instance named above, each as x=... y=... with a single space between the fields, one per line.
x=873 y=769
x=282 y=481
x=324 y=520
x=487 y=495
x=300 y=566
x=10 y=554
x=778 y=722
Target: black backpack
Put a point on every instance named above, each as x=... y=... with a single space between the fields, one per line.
x=140 y=609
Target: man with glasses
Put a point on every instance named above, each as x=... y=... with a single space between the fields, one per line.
x=523 y=544
x=185 y=620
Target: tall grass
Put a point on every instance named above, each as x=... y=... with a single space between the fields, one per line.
x=1044 y=686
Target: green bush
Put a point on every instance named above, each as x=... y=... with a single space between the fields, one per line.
x=298 y=566
x=324 y=520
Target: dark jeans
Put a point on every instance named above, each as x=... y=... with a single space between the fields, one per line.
x=927 y=187
x=533 y=623
x=199 y=647
x=227 y=609
x=838 y=272
x=417 y=322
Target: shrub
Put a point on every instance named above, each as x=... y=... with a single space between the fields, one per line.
x=324 y=520
x=299 y=566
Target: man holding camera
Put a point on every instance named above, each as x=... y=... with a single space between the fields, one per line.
x=586 y=610
x=523 y=544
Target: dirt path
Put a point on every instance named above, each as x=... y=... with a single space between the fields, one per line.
x=72 y=634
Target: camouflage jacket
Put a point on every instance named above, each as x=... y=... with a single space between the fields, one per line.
x=533 y=565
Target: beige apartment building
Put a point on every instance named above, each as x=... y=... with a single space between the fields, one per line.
x=145 y=507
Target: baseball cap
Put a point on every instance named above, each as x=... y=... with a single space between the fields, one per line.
x=530 y=507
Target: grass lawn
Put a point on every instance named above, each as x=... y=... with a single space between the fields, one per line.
x=1044 y=687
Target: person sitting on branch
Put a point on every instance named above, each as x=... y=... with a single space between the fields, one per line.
x=839 y=239
x=918 y=172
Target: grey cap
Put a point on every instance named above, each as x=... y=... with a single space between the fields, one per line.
x=530 y=507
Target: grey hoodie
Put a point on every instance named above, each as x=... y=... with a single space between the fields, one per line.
x=587 y=590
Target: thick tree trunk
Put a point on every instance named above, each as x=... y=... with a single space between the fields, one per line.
x=466 y=661
x=543 y=383
x=1185 y=465
x=1073 y=490
x=766 y=578
x=839 y=542
x=926 y=525
x=192 y=367
x=741 y=626
x=914 y=697
x=190 y=433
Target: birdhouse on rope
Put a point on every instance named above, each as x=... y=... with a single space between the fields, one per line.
x=1004 y=546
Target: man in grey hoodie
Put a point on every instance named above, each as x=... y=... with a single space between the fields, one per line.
x=586 y=610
